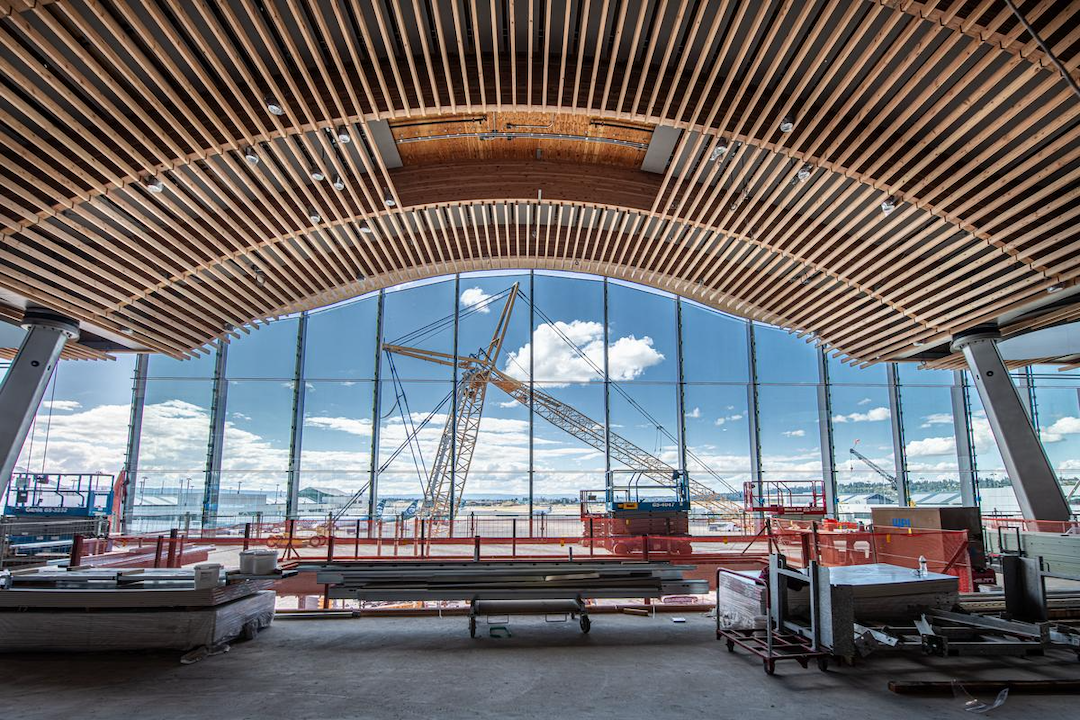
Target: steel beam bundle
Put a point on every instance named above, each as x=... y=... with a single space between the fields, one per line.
x=465 y=580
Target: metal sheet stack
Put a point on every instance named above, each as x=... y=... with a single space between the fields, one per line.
x=425 y=580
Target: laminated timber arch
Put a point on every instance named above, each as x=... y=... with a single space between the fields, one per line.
x=950 y=108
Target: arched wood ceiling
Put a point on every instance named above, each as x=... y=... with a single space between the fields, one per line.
x=521 y=126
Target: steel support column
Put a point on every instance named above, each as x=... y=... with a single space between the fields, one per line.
x=752 y=416
x=607 y=395
x=965 y=445
x=532 y=408
x=1034 y=481
x=680 y=396
x=454 y=401
x=296 y=431
x=219 y=398
x=135 y=421
x=376 y=411
x=26 y=381
x=896 y=412
x=825 y=428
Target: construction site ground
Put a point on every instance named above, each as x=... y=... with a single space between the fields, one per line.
x=627 y=667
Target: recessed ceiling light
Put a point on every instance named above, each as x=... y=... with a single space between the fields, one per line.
x=316 y=174
x=154 y=185
x=1054 y=288
x=273 y=106
x=888 y=205
x=343 y=136
x=251 y=157
x=787 y=124
x=339 y=184
x=366 y=229
x=127 y=331
x=388 y=198
x=804 y=172
x=314 y=216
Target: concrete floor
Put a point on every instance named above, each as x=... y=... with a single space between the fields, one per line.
x=628 y=667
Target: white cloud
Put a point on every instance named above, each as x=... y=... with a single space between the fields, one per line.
x=931 y=446
x=872 y=415
x=361 y=427
x=695 y=413
x=937 y=419
x=729 y=418
x=509 y=404
x=65 y=405
x=864 y=401
x=475 y=296
x=794 y=433
x=720 y=421
x=628 y=357
x=733 y=418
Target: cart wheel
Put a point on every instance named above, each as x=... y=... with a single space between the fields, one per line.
x=731 y=646
x=823 y=664
x=770 y=667
x=585 y=624
x=472 y=627
x=317 y=541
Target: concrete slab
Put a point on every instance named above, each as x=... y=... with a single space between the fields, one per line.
x=627 y=667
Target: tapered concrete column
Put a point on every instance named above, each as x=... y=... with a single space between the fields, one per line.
x=1034 y=482
x=26 y=380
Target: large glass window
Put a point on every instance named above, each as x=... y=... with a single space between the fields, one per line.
x=555 y=343
x=929 y=436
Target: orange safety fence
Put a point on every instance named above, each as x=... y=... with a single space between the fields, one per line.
x=945 y=551
x=1061 y=527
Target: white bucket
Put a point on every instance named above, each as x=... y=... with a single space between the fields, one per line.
x=207 y=575
x=258 y=562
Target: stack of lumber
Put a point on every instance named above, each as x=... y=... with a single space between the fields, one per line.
x=425 y=580
x=48 y=609
x=119 y=588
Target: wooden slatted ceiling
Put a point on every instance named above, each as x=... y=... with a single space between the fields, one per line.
x=949 y=107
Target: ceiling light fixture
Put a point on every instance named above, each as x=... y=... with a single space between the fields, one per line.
x=260 y=277
x=316 y=174
x=804 y=172
x=1054 y=288
x=787 y=124
x=126 y=331
x=888 y=205
x=273 y=106
x=343 y=136
x=366 y=229
x=388 y=198
x=251 y=157
x=313 y=215
x=154 y=185
x=719 y=151
x=339 y=184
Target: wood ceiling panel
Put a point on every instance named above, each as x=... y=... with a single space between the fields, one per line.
x=952 y=111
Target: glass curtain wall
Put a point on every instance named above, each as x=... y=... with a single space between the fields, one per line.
x=348 y=409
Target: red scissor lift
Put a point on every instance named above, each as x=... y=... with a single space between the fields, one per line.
x=783 y=497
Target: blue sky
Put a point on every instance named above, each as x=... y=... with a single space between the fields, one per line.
x=85 y=413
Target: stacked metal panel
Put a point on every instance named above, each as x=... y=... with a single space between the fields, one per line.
x=424 y=580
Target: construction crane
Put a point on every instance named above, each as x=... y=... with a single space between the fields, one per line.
x=875 y=467
x=459 y=435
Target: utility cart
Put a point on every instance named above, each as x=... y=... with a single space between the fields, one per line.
x=781 y=638
x=552 y=610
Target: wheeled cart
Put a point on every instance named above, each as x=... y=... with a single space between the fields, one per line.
x=562 y=610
